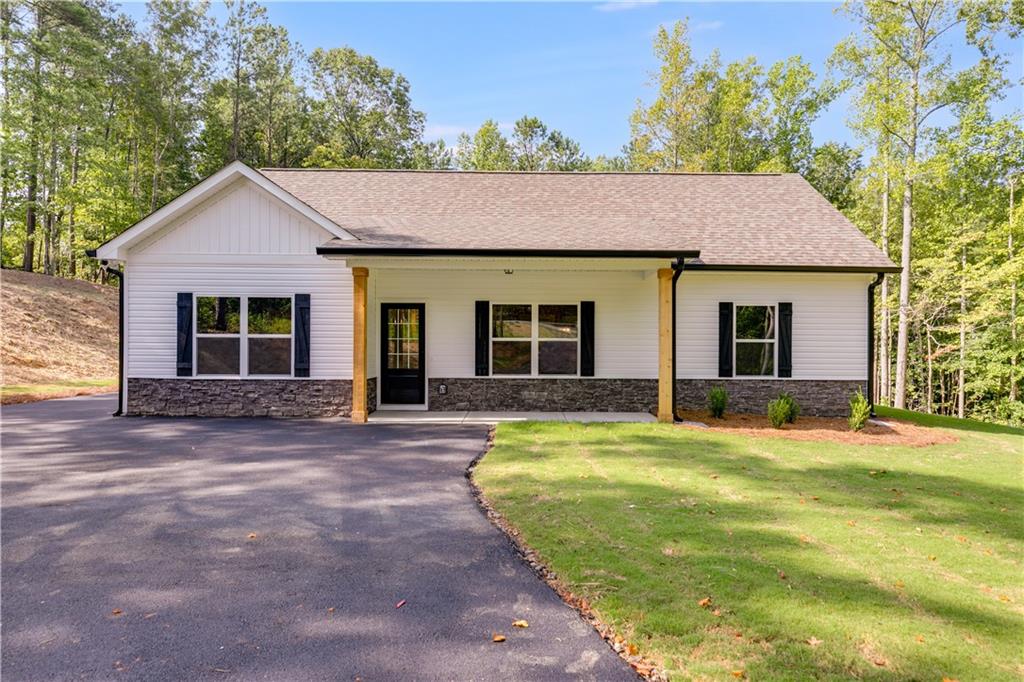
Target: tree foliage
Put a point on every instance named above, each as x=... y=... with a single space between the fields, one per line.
x=103 y=120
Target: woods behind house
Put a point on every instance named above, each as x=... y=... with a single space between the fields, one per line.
x=105 y=120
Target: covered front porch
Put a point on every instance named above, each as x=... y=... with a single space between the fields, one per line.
x=477 y=338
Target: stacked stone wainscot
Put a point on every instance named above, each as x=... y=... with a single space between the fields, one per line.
x=240 y=397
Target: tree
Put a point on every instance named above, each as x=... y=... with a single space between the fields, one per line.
x=244 y=17
x=905 y=36
x=486 y=150
x=833 y=171
x=367 y=110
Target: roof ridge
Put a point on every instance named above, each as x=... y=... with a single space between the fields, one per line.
x=521 y=172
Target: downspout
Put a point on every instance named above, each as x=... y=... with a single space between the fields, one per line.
x=871 y=341
x=120 y=336
x=677 y=267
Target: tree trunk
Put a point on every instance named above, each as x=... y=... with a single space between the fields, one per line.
x=237 y=99
x=885 y=333
x=28 y=255
x=931 y=373
x=961 y=388
x=72 y=256
x=909 y=172
x=1013 y=303
x=49 y=261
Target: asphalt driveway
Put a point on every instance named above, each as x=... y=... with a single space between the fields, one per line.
x=248 y=549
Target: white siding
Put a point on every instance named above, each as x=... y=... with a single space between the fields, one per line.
x=829 y=316
x=625 y=312
x=240 y=242
x=829 y=320
x=152 y=308
x=241 y=219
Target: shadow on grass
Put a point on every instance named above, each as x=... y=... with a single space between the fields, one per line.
x=634 y=522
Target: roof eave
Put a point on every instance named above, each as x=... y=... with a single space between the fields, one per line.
x=409 y=251
x=747 y=267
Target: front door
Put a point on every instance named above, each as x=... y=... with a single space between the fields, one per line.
x=402 y=352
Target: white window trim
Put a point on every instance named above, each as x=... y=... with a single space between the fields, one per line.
x=736 y=340
x=243 y=337
x=534 y=340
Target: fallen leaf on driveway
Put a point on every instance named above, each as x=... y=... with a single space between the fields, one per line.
x=116 y=612
x=400 y=604
x=149 y=615
x=330 y=609
x=520 y=624
x=252 y=536
x=497 y=638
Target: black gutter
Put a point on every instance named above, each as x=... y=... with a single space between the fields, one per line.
x=871 y=342
x=677 y=267
x=791 y=268
x=331 y=250
x=120 y=335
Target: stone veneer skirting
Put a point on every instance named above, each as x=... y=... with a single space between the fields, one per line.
x=544 y=395
x=333 y=397
x=817 y=397
x=242 y=397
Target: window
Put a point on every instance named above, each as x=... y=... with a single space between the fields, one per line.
x=218 y=334
x=269 y=332
x=512 y=339
x=403 y=338
x=233 y=332
x=528 y=339
x=755 y=340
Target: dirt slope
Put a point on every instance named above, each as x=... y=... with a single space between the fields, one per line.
x=56 y=331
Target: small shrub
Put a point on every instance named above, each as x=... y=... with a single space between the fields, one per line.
x=718 y=398
x=778 y=411
x=792 y=407
x=860 y=411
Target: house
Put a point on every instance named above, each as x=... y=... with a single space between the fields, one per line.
x=339 y=292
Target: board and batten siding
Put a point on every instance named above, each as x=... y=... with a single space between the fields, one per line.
x=242 y=219
x=829 y=315
x=243 y=242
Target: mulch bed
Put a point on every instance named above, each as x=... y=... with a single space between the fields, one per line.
x=827 y=429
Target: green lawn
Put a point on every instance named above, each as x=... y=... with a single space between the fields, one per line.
x=821 y=560
x=29 y=392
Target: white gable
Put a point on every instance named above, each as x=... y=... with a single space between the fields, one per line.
x=260 y=194
x=241 y=219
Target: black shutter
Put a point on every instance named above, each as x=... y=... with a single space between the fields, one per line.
x=586 y=338
x=483 y=338
x=302 y=335
x=184 y=334
x=725 y=339
x=785 y=339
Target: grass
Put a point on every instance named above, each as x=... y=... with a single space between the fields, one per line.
x=30 y=392
x=945 y=422
x=821 y=560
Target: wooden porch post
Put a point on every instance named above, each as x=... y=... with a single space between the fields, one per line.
x=665 y=368
x=359 y=412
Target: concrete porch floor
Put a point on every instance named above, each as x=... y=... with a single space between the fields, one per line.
x=425 y=417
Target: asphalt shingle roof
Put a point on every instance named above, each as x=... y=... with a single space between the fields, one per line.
x=733 y=219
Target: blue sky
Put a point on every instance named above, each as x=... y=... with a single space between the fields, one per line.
x=579 y=67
